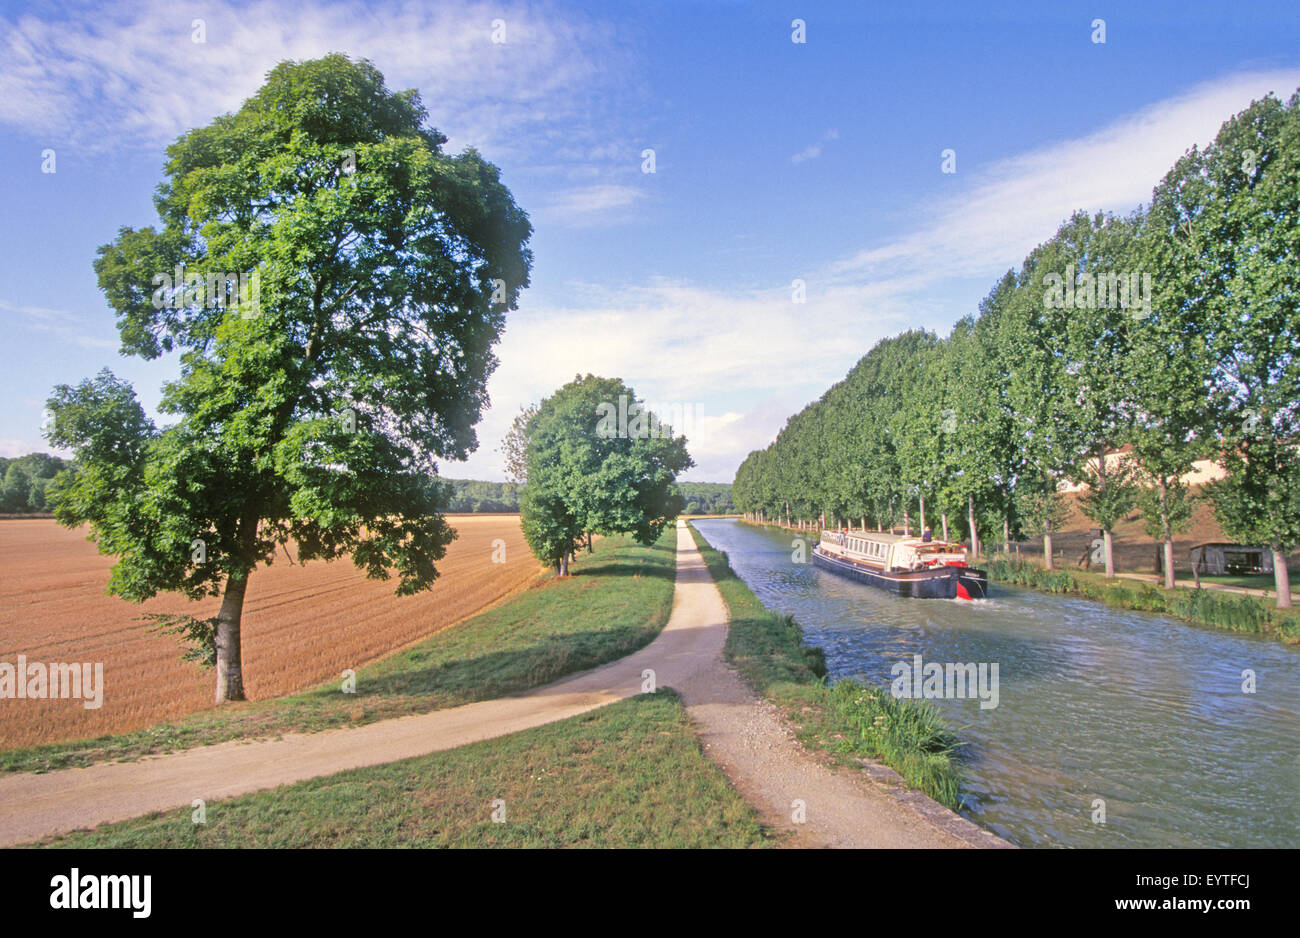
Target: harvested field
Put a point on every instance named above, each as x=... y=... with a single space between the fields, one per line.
x=302 y=624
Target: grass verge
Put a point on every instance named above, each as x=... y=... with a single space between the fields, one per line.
x=849 y=720
x=1253 y=581
x=632 y=774
x=615 y=601
x=1234 y=612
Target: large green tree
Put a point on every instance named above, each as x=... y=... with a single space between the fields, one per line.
x=1045 y=418
x=1230 y=217
x=376 y=271
x=1095 y=296
x=1170 y=381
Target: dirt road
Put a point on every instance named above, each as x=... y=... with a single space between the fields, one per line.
x=745 y=736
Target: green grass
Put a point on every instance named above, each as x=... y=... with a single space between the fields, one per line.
x=848 y=719
x=1253 y=581
x=1234 y=612
x=616 y=601
x=631 y=774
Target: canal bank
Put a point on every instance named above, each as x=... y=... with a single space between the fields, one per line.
x=1113 y=728
x=817 y=793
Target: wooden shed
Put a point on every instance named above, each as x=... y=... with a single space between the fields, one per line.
x=1219 y=559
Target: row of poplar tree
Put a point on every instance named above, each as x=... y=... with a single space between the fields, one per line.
x=1172 y=330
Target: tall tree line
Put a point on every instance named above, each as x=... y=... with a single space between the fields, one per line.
x=1173 y=330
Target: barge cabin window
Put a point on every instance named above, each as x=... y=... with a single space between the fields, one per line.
x=872 y=549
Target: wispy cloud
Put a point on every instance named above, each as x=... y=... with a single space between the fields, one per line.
x=131 y=75
x=710 y=350
x=1018 y=203
x=814 y=150
x=67 y=326
x=11 y=447
x=602 y=203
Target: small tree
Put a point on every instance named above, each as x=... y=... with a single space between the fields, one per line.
x=597 y=462
x=1109 y=499
x=1258 y=501
x=1044 y=511
x=515 y=446
x=1167 y=506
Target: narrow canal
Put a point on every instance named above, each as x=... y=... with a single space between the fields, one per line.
x=1143 y=712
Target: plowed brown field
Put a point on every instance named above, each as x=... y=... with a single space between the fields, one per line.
x=302 y=624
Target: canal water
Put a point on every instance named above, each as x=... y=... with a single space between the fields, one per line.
x=1143 y=712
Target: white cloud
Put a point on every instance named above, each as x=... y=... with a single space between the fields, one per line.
x=592 y=205
x=814 y=150
x=679 y=344
x=11 y=447
x=1019 y=202
x=68 y=326
x=130 y=75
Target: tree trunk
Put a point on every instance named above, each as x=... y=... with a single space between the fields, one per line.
x=1047 y=545
x=1282 y=579
x=974 y=536
x=922 y=514
x=944 y=518
x=230 y=667
x=1006 y=531
x=562 y=568
x=589 y=549
x=1168 y=534
x=1106 y=540
x=907 y=524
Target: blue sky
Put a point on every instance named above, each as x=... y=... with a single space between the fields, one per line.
x=775 y=161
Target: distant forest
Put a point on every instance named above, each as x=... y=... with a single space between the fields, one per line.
x=23 y=480
x=472 y=495
x=701 y=498
x=707 y=498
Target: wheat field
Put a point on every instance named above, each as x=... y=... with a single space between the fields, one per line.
x=302 y=624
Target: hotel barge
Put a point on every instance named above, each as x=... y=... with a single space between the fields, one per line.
x=908 y=566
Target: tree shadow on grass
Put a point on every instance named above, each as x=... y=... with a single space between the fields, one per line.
x=621 y=569
x=511 y=671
